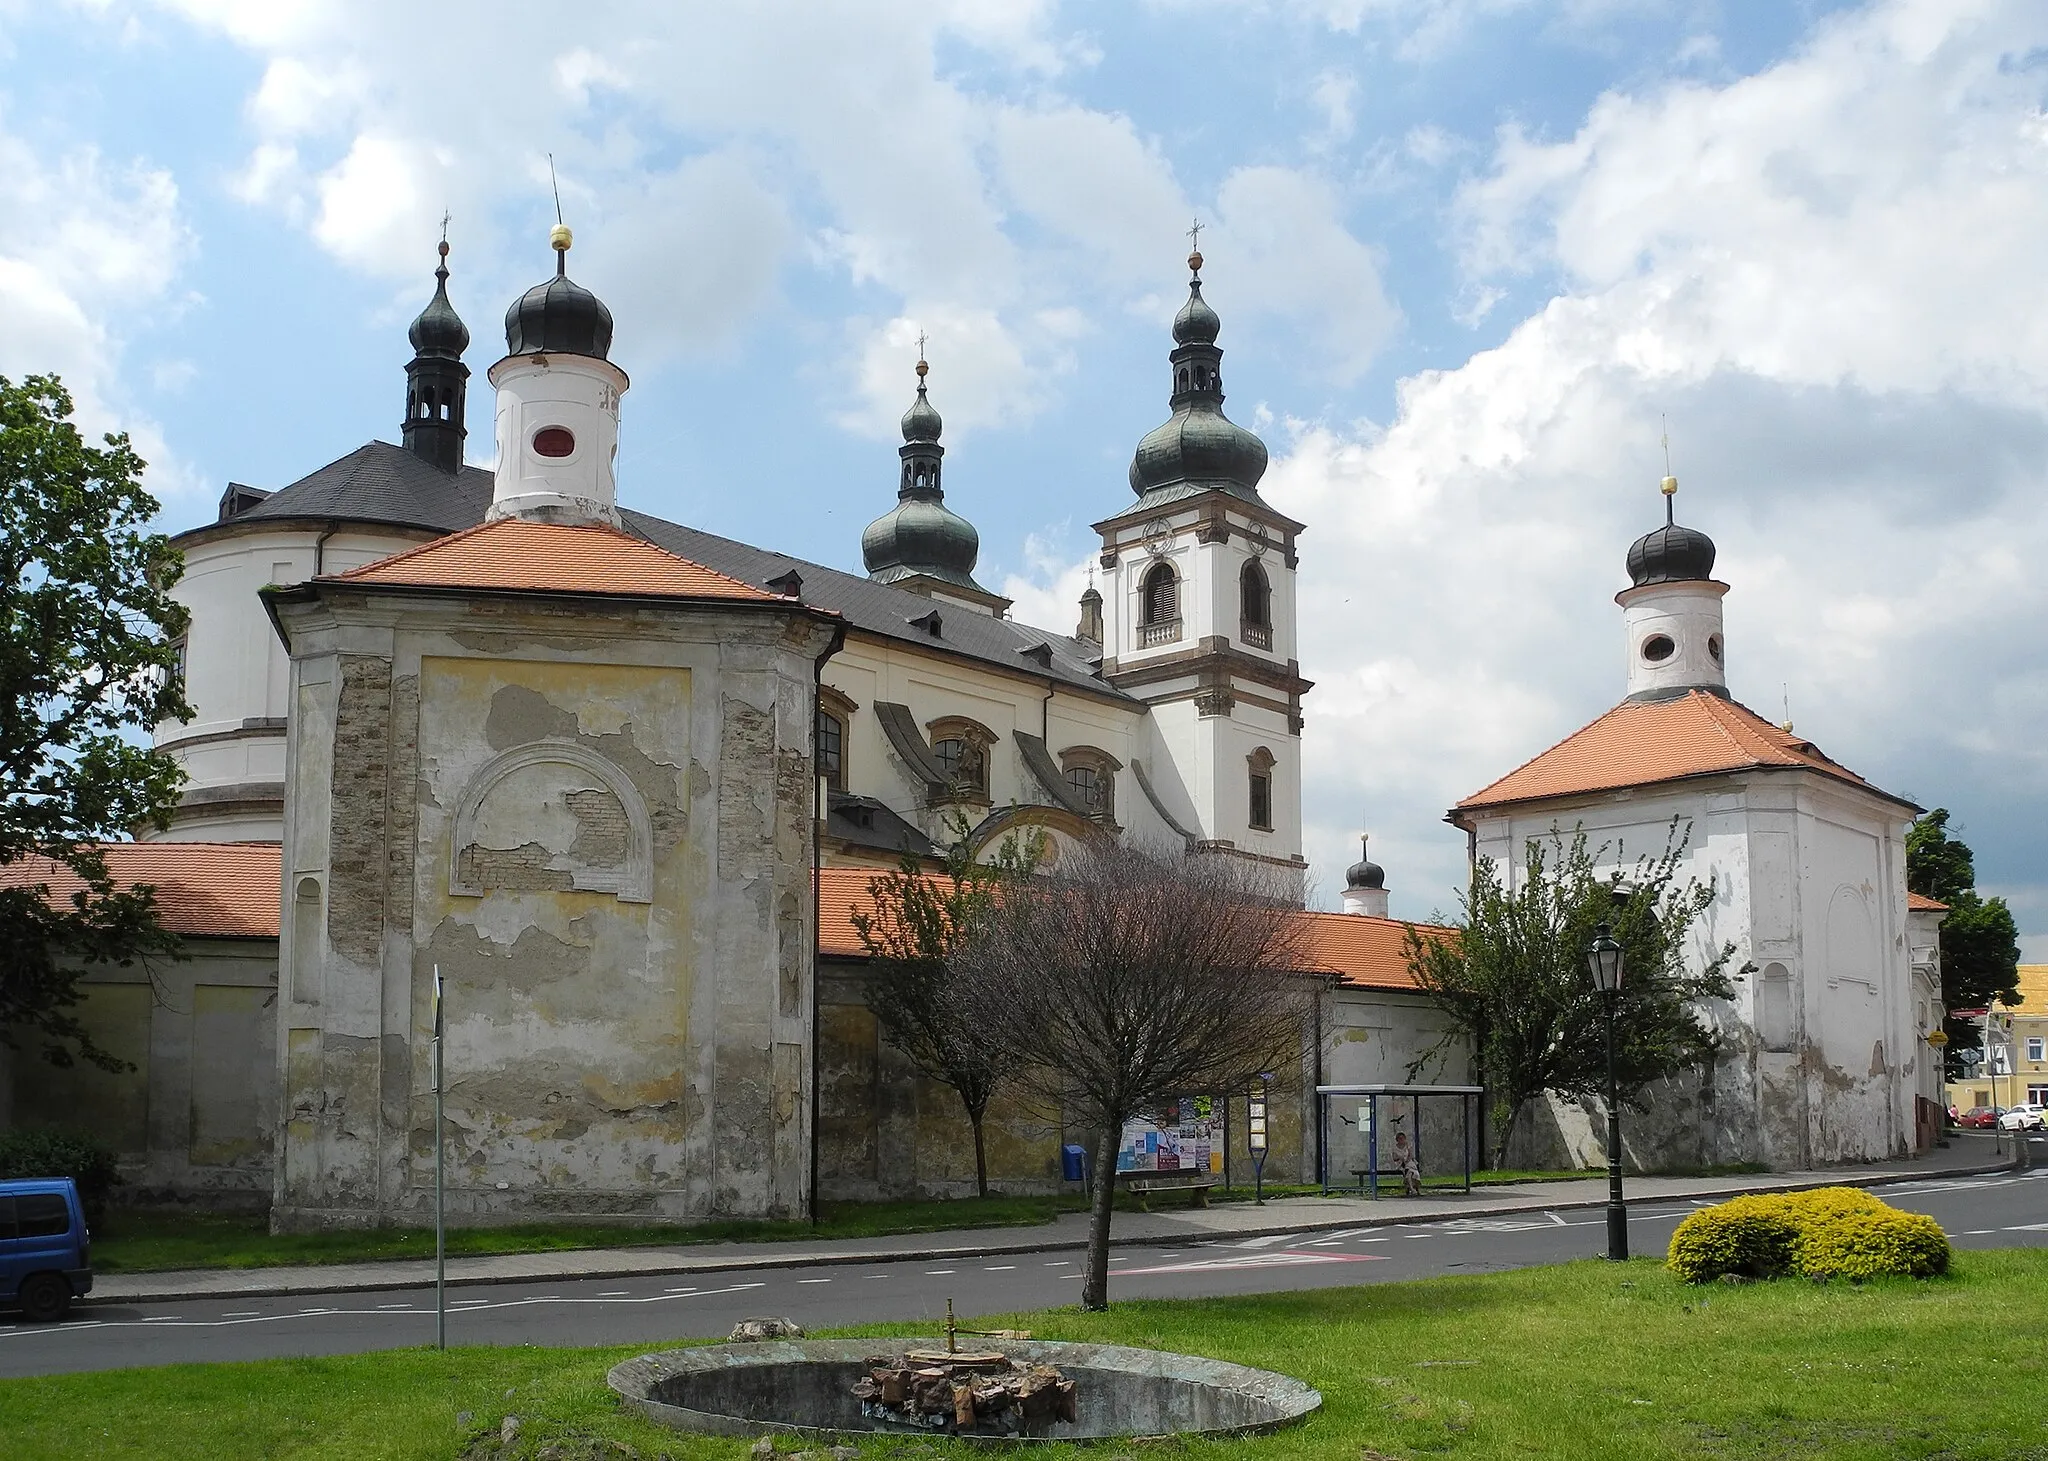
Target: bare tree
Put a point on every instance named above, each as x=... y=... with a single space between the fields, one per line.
x=1128 y=975
x=910 y=934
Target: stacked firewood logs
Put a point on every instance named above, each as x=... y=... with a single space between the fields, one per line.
x=990 y=1394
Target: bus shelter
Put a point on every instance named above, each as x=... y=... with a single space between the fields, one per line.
x=1359 y=1124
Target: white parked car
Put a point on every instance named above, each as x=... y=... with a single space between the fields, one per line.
x=2033 y=1116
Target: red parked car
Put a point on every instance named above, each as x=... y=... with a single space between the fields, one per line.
x=1980 y=1118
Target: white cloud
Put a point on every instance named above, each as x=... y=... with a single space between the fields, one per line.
x=96 y=244
x=1827 y=276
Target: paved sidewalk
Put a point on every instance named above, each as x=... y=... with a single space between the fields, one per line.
x=1277 y=1219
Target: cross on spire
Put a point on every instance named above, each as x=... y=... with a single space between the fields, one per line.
x=1195 y=234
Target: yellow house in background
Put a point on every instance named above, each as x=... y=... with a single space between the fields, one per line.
x=2021 y=1075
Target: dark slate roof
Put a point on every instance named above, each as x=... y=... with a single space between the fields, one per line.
x=892 y=613
x=381 y=483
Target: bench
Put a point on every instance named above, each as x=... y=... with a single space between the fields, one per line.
x=1142 y=1185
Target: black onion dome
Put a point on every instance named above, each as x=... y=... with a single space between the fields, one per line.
x=921 y=537
x=1201 y=447
x=1197 y=323
x=1365 y=873
x=559 y=317
x=439 y=330
x=1671 y=554
x=922 y=422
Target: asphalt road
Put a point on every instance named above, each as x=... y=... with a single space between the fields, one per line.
x=1978 y=1212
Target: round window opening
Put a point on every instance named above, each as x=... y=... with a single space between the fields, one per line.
x=554 y=441
x=1714 y=647
x=1658 y=648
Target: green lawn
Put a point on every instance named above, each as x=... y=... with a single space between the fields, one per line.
x=1583 y=1362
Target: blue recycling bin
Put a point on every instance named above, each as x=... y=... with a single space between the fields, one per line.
x=1074 y=1163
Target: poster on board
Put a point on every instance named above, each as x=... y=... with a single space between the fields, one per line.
x=1177 y=1136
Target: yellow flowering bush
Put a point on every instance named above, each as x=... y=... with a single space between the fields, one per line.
x=1832 y=1232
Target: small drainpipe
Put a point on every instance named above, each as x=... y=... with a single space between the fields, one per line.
x=320 y=548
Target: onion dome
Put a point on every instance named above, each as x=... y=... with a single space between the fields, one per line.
x=1365 y=873
x=559 y=317
x=921 y=537
x=439 y=331
x=1199 y=449
x=1196 y=323
x=1671 y=554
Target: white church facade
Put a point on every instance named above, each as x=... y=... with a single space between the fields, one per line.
x=1823 y=1055
x=620 y=782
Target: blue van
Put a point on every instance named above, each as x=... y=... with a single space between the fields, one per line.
x=45 y=1250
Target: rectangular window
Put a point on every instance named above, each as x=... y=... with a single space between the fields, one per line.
x=832 y=751
x=2037 y=1095
x=1262 y=801
x=2034 y=1044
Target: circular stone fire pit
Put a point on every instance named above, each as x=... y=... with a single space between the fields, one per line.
x=807 y=1385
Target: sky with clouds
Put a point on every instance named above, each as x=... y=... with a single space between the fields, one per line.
x=1469 y=255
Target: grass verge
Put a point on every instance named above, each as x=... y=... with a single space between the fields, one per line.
x=1581 y=1362
x=138 y=1240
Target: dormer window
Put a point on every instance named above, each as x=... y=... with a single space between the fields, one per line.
x=1090 y=775
x=835 y=714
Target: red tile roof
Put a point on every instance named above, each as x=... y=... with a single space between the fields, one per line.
x=1640 y=743
x=534 y=557
x=1366 y=952
x=203 y=889
x=1921 y=903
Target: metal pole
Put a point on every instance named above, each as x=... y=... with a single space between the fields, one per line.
x=1617 y=1207
x=440 y=1191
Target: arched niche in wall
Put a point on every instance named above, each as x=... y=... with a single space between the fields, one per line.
x=1852 y=940
x=552 y=816
x=1774 y=1022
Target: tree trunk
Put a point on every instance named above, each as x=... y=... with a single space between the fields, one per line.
x=1505 y=1133
x=980 y=1154
x=1095 y=1289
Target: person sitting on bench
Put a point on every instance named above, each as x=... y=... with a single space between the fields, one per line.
x=1411 y=1170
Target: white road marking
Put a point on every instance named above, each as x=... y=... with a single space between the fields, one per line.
x=999 y=1268
x=1063 y=1263
x=873 y=1276
x=680 y=1291
x=243 y=1314
x=475 y=1306
x=381 y=1306
x=814 y=1280
x=1556 y=1219
x=939 y=1272
x=1977 y=1232
x=160 y=1319
x=1269 y=1240
x=2028 y=1228
x=615 y=1294
x=1290 y=1258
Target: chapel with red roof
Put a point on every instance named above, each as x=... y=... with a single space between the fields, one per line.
x=1823 y=1048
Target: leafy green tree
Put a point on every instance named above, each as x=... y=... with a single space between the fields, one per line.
x=1513 y=982
x=918 y=919
x=89 y=662
x=1980 y=945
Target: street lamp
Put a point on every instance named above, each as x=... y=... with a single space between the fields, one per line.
x=1603 y=959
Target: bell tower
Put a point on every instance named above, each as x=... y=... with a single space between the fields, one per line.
x=1199 y=617
x=436 y=380
x=1672 y=611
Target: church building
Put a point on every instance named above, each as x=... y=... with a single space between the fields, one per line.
x=1823 y=1055
x=613 y=786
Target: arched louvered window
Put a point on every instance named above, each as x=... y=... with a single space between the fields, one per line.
x=1257 y=596
x=1162 y=594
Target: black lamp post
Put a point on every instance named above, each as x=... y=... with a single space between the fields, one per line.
x=1603 y=958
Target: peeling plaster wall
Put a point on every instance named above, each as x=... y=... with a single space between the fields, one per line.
x=1821 y=1056
x=596 y=822
x=1375 y=1037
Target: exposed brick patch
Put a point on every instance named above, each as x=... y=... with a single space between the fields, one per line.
x=600 y=828
x=358 y=856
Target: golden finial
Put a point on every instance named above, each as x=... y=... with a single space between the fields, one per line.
x=1195 y=246
x=559 y=238
x=923 y=369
